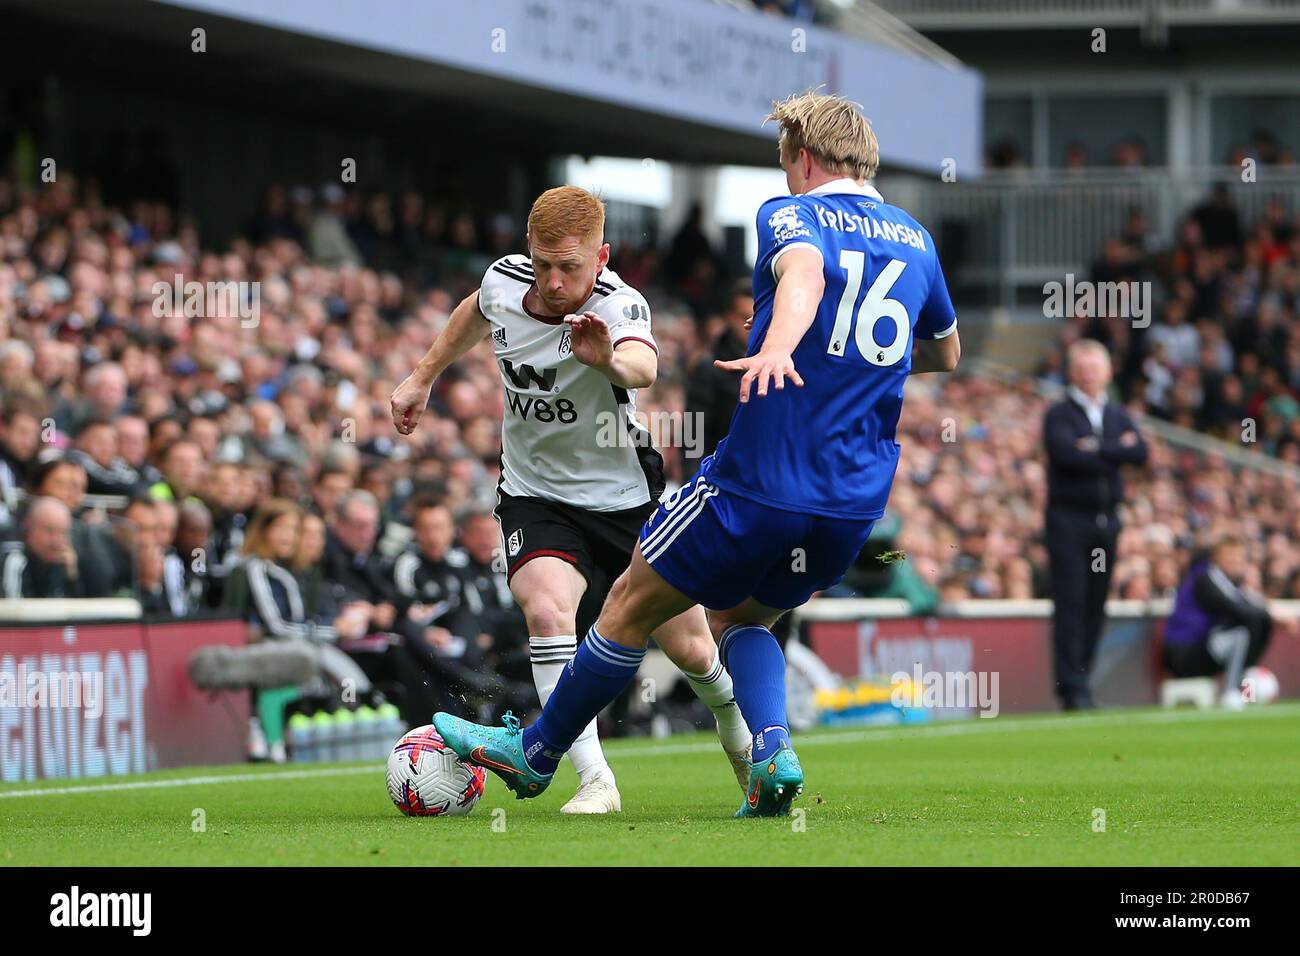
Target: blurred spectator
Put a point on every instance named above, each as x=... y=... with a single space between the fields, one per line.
x=443 y=614
x=57 y=476
x=182 y=468
x=712 y=395
x=20 y=439
x=105 y=390
x=186 y=572
x=1219 y=624
x=46 y=567
x=485 y=573
x=328 y=239
x=354 y=571
x=1220 y=226
x=429 y=580
x=96 y=452
x=689 y=246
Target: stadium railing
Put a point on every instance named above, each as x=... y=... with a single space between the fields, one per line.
x=67 y=610
x=1037 y=14
x=1029 y=227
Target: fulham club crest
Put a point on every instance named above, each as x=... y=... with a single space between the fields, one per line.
x=566 y=347
x=516 y=542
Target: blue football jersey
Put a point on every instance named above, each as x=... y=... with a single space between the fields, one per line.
x=828 y=448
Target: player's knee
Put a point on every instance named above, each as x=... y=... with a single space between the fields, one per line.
x=547 y=616
x=718 y=624
x=719 y=621
x=695 y=654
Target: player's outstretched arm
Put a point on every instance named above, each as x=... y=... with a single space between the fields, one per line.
x=936 y=355
x=465 y=329
x=799 y=287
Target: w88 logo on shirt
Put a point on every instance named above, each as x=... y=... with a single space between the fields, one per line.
x=542 y=410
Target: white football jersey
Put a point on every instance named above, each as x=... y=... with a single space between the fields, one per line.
x=570 y=434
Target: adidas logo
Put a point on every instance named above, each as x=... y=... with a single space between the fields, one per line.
x=499 y=336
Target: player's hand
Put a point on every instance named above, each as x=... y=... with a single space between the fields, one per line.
x=409 y=400
x=590 y=340
x=766 y=367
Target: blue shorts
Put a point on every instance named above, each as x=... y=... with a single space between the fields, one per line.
x=719 y=548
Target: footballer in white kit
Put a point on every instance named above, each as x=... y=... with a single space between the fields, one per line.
x=579 y=474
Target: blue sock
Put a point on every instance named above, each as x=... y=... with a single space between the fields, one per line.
x=753 y=658
x=591 y=681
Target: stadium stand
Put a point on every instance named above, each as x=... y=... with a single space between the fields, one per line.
x=296 y=407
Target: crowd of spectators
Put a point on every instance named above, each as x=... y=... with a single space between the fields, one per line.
x=203 y=461
x=1221 y=354
x=1130 y=153
x=972 y=489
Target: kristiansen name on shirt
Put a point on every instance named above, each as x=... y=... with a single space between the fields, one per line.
x=870 y=227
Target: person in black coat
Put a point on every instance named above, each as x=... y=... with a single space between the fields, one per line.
x=1088 y=438
x=711 y=394
x=46 y=566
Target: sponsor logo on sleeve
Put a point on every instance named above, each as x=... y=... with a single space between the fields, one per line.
x=786 y=225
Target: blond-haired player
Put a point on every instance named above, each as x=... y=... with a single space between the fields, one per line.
x=574 y=343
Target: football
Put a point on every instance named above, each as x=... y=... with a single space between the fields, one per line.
x=1259 y=685
x=427 y=779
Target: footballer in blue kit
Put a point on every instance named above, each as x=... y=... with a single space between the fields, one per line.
x=849 y=300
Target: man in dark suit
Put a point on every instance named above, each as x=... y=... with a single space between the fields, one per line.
x=1087 y=439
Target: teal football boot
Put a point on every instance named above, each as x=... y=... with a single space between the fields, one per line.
x=499 y=749
x=773 y=785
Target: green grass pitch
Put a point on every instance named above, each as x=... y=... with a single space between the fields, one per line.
x=1175 y=788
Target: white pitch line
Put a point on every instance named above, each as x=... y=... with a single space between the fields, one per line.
x=193 y=781
x=875 y=735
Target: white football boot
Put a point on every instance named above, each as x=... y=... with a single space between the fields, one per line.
x=740 y=764
x=597 y=795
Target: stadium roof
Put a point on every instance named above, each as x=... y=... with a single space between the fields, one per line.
x=678 y=79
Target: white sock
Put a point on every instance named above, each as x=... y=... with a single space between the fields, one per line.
x=714 y=688
x=548 y=656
